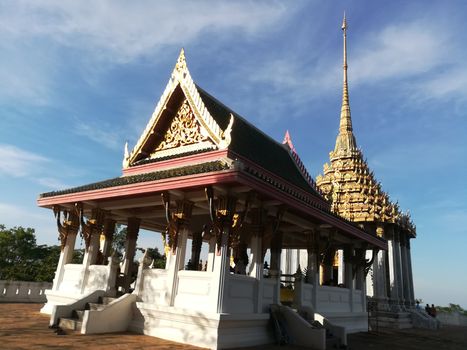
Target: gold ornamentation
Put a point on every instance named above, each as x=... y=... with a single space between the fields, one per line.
x=67 y=223
x=184 y=130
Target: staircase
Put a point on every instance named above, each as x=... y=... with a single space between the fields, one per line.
x=394 y=320
x=75 y=322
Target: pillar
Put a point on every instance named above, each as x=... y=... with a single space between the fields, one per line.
x=130 y=250
x=399 y=268
x=196 y=243
x=66 y=255
x=274 y=271
x=392 y=262
x=348 y=272
x=409 y=266
x=313 y=264
x=109 y=230
x=340 y=268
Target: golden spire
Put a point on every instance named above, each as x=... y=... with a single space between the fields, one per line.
x=345 y=140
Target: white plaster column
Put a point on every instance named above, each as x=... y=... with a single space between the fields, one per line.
x=66 y=255
x=409 y=265
x=399 y=270
x=109 y=230
x=371 y=283
x=90 y=256
x=211 y=253
x=179 y=262
x=393 y=280
x=274 y=271
x=405 y=270
x=221 y=269
x=348 y=274
x=340 y=271
x=257 y=269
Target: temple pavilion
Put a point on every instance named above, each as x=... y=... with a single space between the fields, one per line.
x=203 y=177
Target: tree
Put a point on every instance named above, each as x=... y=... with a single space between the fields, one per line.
x=21 y=259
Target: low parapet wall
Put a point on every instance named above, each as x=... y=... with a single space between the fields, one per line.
x=23 y=292
x=452 y=318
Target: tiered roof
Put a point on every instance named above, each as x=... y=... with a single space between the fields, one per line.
x=347 y=182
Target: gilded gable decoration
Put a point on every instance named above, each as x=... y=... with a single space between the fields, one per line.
x=184 y=134
x=202 y=131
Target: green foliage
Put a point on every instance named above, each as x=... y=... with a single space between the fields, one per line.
x=22 y=259
x=118 y=241
x=157 y=257
x=452 y=308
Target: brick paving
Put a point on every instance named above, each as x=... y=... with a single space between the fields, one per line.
x=23 y=327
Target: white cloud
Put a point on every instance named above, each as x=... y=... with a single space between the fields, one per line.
x=17 y=162
x=422 y=54
x=121 y=31
x=110 y=139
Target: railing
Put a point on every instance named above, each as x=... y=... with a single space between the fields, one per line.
x=23 y=292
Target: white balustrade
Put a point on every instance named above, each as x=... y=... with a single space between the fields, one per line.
x=23 y=292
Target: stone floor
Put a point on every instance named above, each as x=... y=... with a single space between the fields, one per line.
x=23 y=327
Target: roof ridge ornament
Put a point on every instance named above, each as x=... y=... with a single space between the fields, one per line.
x=288 y=141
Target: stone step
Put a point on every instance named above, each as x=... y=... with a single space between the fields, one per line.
x=77 y=315
x=106 y=300
x=94 y=306
x=70 y=323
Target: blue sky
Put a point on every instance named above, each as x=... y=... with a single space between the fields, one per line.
x=78 y=79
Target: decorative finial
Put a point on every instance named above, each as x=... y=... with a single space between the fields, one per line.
x=288 y=141
x=126 y=156
x=181 y=61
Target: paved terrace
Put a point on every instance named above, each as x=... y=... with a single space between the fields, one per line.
x=23 y=327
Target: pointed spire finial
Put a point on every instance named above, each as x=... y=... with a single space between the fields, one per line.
x=181 y=61
x=345 y=139
x=288 y=141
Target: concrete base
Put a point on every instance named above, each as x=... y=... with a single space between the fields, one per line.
x=58 y=298
x=394 y=320
x=210 y=330
x=352 y=321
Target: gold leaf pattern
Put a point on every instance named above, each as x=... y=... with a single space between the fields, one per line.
x=184 y=130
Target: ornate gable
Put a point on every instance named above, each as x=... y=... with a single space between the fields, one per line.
x=180 y=123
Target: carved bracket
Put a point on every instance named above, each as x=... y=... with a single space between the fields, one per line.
x=92 y=226
x=175 y=220
x=222 y=215
x=67 y=223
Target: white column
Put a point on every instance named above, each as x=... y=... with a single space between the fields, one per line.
x=348 y=275
x=340 y=271
x=405 y=272
x=211 y=253
x=409 y=265
x=90 y=256
x=221 y=269
x=399 y=271
x=371 y=280
x=179 y=262
x=257 y=270
x=274 y=271
x=66 y=255
x=393 y=281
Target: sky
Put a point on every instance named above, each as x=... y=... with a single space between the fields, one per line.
x=79 y=79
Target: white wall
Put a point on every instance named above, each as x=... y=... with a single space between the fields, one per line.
x=23 y=292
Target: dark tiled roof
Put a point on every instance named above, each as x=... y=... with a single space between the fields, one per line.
x=156 y=175
x=253 y=144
